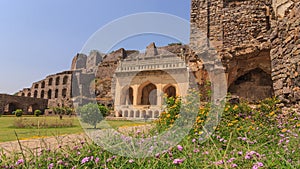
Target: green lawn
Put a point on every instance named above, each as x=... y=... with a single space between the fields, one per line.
x=7 y=127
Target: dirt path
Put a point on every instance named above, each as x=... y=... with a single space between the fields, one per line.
x=35 y=145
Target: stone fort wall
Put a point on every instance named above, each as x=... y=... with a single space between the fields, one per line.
x=243 y=35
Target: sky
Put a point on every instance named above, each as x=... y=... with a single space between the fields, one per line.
x=41 y=37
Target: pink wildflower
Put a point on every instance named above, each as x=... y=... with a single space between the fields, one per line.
x=178 y=161
x=179 y=147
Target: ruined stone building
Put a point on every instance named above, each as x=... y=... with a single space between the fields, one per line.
x=142 y=79
x=9 y=103
x=256 y=43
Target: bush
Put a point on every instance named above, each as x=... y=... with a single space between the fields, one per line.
x=19 y=112
x=92 y=113
x=37 y=113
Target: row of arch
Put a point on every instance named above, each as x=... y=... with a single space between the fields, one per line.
x=147 y=94
x=50 y=82
x=49 y=94
x=139 y=113
x=11 y=107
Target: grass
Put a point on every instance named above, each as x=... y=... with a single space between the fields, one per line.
x=263 y=137
x=7 y=127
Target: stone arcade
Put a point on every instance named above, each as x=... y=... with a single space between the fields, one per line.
x=142 y=80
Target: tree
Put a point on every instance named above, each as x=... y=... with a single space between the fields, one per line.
x=92 y=113
x=59 y=110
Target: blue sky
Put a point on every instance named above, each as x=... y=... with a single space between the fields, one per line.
x=40 y=37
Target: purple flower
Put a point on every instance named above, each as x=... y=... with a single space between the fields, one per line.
x=230 y=160
x=85 y=159
x=138 y=131
x=20 y=161
x=240 y=153
x=194 y=140
x=131 y=161
x=60 y=162
x=196 y=150
x=257 y=165
x=157 y=155
x=234 y=165
x=97 y=159
x=178 y=161
x=219 y=162
x=179 y=147
x=247 y=157
x=50 y=166
x=206 y=153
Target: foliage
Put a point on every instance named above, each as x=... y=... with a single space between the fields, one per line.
x=43 y=123
x=92 y=113
x=37 y=113
x=62 y=111
x=248 y=136
x=171 y=113
x=19 y=112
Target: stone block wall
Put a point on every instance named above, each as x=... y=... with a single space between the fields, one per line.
x=285 y=55
x=233 y=34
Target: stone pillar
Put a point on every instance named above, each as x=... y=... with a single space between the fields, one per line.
x=159 y=92
x=135 y=94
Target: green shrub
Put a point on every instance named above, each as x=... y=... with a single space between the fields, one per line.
x=92 y=113
x=19 y=112
x=37 y=113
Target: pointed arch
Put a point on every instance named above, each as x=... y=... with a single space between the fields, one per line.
x=170 y=90
x=147 y=94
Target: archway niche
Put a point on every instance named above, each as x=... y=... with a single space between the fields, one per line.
x=32 y=108
x=254 y=85
x=137 y=114
x=57 y=81
x=64 y=93
x=49 y=94
x=170 y=91
x=42 y=94
x=35 y=95
x=127 y=96
x=144 y=115
x=149 y=95
x=43 y=85
x=126 y=113
x=50 y=81
x=65 y=80
x=11 y=107
x=131 y=113
x=56 y=93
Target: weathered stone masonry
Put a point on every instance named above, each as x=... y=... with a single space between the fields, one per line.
x=236 y=33
x=285 y=55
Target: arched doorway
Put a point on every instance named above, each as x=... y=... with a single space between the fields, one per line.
x=149 y=95
x=254 y=85
x=170 y=91
x=49 y=94
x=127 y=96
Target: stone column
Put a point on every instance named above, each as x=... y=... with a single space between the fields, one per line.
x=135 y=94
x=159 y=94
